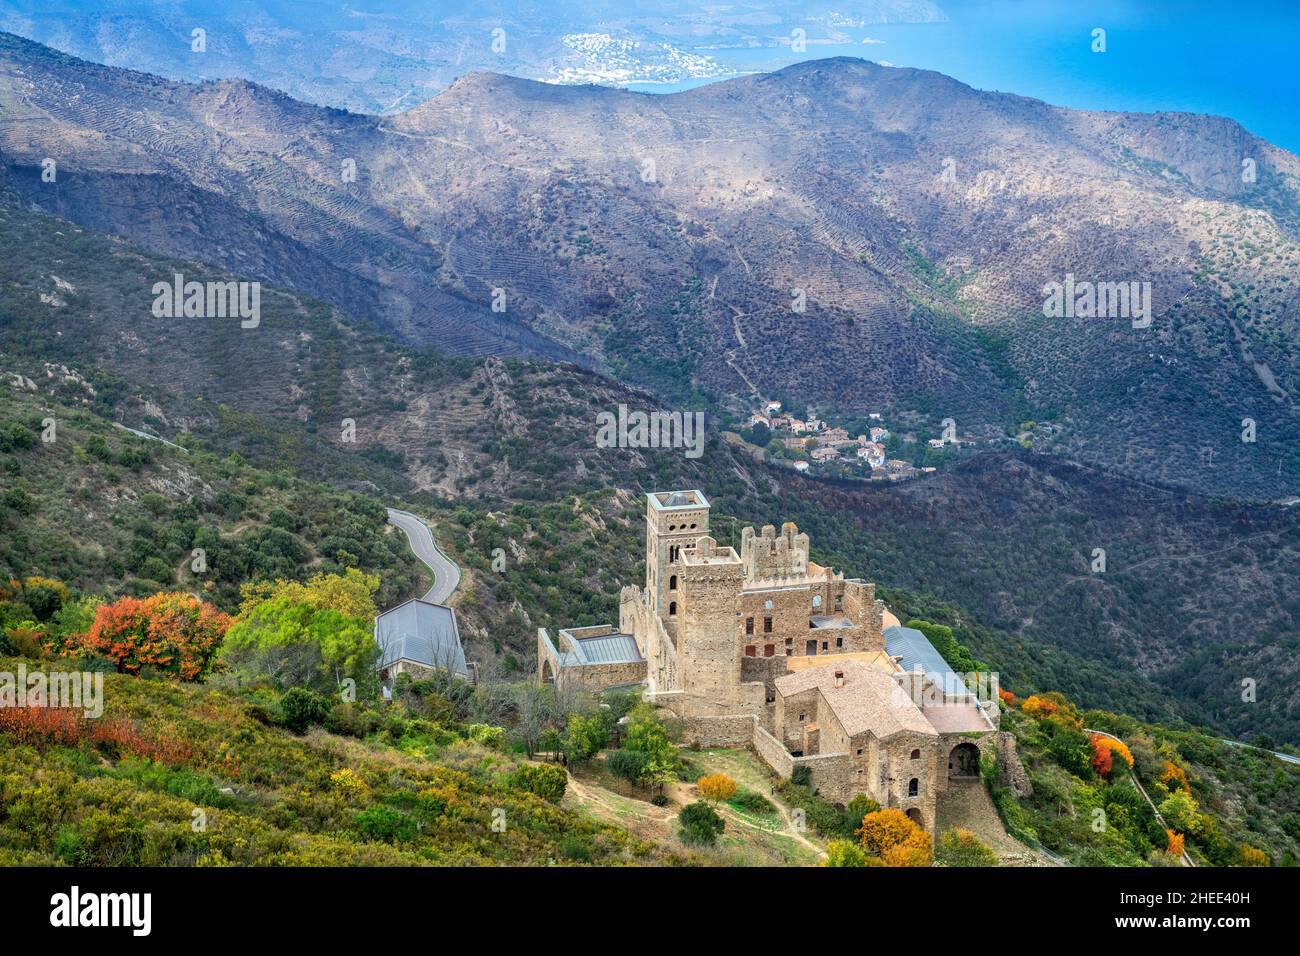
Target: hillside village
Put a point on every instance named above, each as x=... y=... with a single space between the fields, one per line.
x=812 y=446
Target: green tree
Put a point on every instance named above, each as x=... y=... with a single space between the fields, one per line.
x=585 y=736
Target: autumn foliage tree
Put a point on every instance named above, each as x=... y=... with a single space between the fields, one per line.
x=893 y=837
x=1175 y=842
x=716 y=787
x=1104 y=751
x=172 y=632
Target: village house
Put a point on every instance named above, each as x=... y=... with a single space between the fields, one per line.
x=823 y=453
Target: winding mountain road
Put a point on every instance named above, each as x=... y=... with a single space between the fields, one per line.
x=446 y=574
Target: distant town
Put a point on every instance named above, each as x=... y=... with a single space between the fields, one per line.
x=813 y=446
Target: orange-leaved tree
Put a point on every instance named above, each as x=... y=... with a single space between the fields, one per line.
x=174 y=632
x=1103 y=751
x=896 y=839
x=716 y=787
x=1175 y=842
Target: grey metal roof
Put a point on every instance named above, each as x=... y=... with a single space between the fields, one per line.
x=607 y=649
x=421 y=632
x=915 y=652
x=832 y=621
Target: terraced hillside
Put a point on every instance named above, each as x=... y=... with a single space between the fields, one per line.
x=661 y=238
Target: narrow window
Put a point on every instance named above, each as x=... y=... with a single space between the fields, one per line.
x=801 y=716
x=767 y=625
x=913 y=787
x=839 y=642
x=672 y=608
x=672 y=583
x=826 y=645
x=749 y=625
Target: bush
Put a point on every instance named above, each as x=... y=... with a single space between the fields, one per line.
x=487 y=735
x=629 y=764
x=963 y=848
x=385 y=823
x=301 y=708
x=845 y=853
x=699 y=824
x=752 y=802
x=545 y=780
x=801 y=776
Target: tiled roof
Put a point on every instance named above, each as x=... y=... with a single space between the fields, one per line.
x=868 y=700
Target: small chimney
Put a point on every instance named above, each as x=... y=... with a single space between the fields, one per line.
x=839 y=678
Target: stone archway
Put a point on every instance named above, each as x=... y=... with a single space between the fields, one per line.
x=964 y=762
x=915 y=816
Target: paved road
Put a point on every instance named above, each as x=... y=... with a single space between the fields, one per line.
x=446 y=575
x=1237 y=743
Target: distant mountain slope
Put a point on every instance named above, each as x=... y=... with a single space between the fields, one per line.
x=666 y=238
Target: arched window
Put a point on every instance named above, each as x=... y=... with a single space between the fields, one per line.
x=916 y=755
x=767 y=605
x=913 y=787
x=817 y=600
x=672 y=608
x=672 y=582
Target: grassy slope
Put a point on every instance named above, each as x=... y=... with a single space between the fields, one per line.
x=272 y=798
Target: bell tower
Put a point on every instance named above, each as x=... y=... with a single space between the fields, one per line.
x=675 y=520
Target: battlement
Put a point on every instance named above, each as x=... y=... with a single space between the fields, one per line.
x=768 y=555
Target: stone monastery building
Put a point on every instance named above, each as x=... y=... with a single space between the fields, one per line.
x=767 y=648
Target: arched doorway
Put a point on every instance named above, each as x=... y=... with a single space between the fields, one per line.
x=915 y=816
x=964 y=762
x=548 y=675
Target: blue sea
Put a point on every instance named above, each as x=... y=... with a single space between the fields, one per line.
x=1237 y=60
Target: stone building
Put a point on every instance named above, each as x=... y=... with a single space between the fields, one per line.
x=418 y=637
x=769 y=647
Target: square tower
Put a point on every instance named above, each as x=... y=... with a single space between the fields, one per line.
x=675 y=520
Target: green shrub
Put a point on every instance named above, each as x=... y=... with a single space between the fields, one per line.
x=385 y=823
x=963 y=848
x=301 y=708
x=546 y=780
x=629 y=764
x=700 y=824
x=752 y=802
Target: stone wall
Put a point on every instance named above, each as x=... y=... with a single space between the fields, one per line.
x=830 y=775
x=728 y=731
x=772 y=751
x=1011 y=770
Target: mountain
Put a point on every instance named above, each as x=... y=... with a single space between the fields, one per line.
x=503 y=453
x=376 y=57
x=660 y=238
